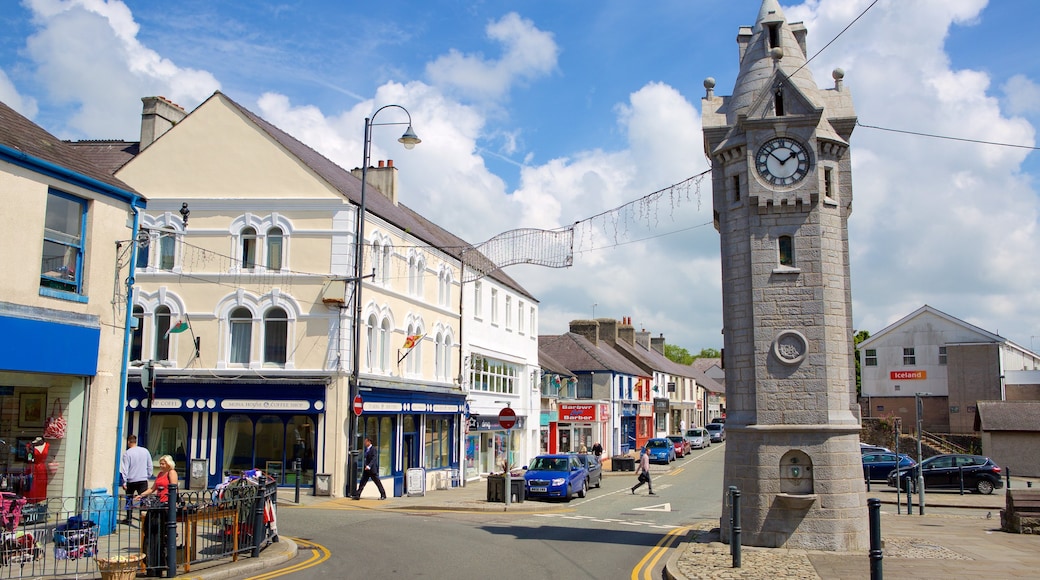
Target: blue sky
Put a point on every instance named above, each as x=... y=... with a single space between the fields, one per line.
x=541 y=114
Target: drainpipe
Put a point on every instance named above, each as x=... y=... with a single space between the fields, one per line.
x=136 y=203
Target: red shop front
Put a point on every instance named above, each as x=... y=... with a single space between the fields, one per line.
x=580 y=426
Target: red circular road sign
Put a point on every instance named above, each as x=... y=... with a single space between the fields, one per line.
x=359 y=405
x=507 y=418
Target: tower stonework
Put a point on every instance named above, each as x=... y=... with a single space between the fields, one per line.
x=782 y=194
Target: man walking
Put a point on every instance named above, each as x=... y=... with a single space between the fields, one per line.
x=644 y=472
x=371 y=470
x=135 y=467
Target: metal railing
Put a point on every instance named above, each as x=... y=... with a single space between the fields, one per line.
x=63 y=537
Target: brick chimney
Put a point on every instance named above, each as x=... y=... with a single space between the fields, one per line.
x=643 y=339
x=626 y=332
x=657 y=343
x=382 y=177
x=587 y=328
x=608 y=330
x=158 y=116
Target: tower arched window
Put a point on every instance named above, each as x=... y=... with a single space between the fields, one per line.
x=413 y=364
x=241 y=324
x=274 y=249
x=276 y=336
x=248 y=248
x=162 y=328
x=785 y=247
x=167 y=249
x=137 y=335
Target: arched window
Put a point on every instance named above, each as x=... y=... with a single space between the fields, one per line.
x=162 y=328
x=384 y=345
x=443 y=352
x=137 y=335
x=274 y=249
x=371 y=343
x=413 y=362
x=785 y=245
x=241 y=323
x=276 y=336
x=248 y=248
x=167 y=249
x=444 y=287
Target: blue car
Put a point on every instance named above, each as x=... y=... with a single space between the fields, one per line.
x=661 y=450
x=877 y=466
x=556 y=476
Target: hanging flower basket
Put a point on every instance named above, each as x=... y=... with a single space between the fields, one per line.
x=120 y=567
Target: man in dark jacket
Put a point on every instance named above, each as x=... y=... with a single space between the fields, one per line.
x=371 y=470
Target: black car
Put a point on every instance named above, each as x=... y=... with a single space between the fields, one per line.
x=593 y=466
x=944 y=472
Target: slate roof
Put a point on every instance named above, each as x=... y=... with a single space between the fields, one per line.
x=551 y=365
x=578 y=354
x=1007 y=416
x=21 y=134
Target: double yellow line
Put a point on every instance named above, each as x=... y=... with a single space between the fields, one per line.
x=645 y=568
x=320 y=554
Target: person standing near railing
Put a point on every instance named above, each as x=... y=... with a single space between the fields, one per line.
x=135 y=468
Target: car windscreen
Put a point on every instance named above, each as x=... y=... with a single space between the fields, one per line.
x=657 y=443
x=714 y=427
x=549 y=464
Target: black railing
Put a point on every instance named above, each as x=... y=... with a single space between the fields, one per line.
x=63 y=537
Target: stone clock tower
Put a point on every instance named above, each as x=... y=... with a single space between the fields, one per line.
x=782 y=194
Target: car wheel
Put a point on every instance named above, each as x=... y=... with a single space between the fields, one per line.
x=584 y=488
x=984 y=486
x=567 y=497
x=599 y=482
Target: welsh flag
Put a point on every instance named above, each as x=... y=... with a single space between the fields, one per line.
x=178 y=328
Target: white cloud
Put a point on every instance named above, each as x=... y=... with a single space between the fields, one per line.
x=1022 y=95
x=528 y=54
x=87 y=54
x=25 y=105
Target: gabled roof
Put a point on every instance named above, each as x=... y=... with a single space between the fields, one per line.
x=984 y=334
x=346 y=183
x=1007 y=416
x=578 y=354
x=551 y=365
x=25 y=143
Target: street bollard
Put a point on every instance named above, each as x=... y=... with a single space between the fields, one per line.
x=960 y=475
x=734 y=538
x=1007 y=470
x=296 y=466
x=171 y=533
x=866 y=476
x=259 y=527
x=909 y=500
x=876 y=554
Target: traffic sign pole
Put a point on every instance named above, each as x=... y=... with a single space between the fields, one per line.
x=507 y=419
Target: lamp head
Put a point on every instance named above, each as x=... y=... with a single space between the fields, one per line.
x=409 y=139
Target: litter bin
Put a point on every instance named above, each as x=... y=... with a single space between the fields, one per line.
x=100 y=507
x=622 y=463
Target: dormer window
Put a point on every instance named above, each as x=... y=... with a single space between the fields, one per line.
x=774 y=35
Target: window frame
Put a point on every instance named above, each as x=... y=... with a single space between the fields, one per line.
x=235 y=349
x=870 y=358
x=56 y=287
x=270 y=328
x=909 y=356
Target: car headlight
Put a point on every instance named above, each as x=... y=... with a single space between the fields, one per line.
x=559 y=481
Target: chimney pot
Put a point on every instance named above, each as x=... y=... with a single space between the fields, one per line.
x=389 y=162
x=381 y=163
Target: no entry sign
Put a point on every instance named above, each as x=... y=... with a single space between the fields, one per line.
x=507 y=418
x=359 y=405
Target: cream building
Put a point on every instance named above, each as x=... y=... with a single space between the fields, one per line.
x=66 y=231
x=260 y=272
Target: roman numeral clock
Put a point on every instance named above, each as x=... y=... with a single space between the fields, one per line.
x=783 y=161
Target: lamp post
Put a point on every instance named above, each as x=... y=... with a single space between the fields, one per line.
x=920 y=473
x=409 y=140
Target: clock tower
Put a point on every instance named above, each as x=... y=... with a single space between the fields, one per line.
x=782 y=195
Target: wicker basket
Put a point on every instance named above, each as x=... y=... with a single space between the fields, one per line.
x=120 y=567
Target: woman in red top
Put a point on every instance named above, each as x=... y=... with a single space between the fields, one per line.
x=167 y=476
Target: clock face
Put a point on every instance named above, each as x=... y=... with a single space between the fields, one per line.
x=782 y=161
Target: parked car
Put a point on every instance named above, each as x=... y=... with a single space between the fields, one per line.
x=661 y=450
x=719 y=420
x=877 y=466
x=556 y=476
x=717 y=431
x=592 y=465
x=981 y=474
x=698 y=438
x=867 y=448
x=682 y=446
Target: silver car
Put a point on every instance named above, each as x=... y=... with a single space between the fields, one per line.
x=698 y=438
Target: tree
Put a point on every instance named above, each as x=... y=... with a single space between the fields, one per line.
x=678 y=354
x=709 y=353
x=858 y=337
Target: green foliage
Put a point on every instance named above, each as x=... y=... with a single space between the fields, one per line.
x=678 y=354
x=858 y=337
x=709 y=353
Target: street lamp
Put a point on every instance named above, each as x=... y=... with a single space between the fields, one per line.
x=409 y=140
x=920 y=474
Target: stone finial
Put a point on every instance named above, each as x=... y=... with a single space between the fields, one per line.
x=709 y=87
x=838 y=75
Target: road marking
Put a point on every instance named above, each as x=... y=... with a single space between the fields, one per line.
x=320 y=554
x=661 y=507
x=645 y=568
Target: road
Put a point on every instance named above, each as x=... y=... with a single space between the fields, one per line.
x=609 y=534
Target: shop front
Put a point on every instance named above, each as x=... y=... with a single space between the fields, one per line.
x=582 y=425
x=412 y=429
x=662 y=409
x=215 y=429
x=490 y=447
x=629 y=431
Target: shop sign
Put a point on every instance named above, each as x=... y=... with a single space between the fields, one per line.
x=261 y=405
x=908 y=375
x=490 y=423
x=660 y=405
x=604 y=412
x=572 y=413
